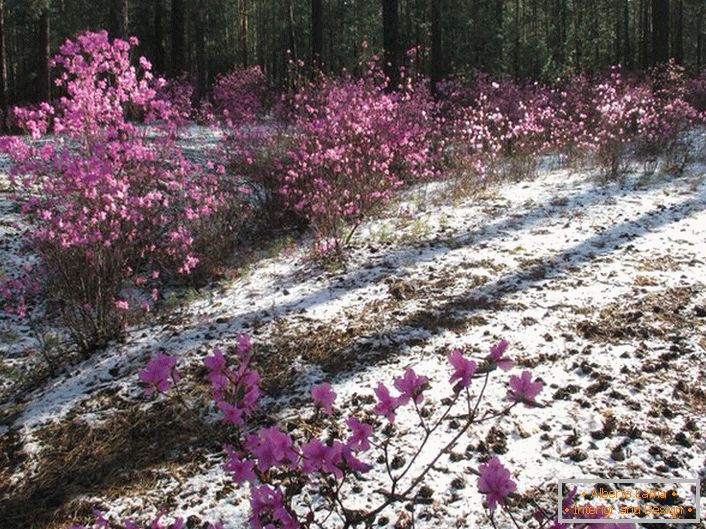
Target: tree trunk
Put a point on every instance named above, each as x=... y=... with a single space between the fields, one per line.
x=437 y=53
x=178 y=38
x=44 y=78
x=660 y=31
x=390 y=39
x=700 y=38
x=159 y=36
x=618 y=28
x=244 y=53
x=627 y=51
x=644 y=34
x=516 y=50
x=678 y=47
x=201 y=57
x=3 y=69
x=500 y=29
x=119 y=18
x=317 y=33
x=292 y=35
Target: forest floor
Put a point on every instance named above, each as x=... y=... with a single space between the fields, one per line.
x=598 y=287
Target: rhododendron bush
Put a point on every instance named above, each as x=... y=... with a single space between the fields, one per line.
x=356 y=143
x=242 y=95
x=501 y=127
x=309 y=476
x=312 y=473
x=113 y=207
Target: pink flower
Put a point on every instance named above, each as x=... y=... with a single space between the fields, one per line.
x=121 y=304
x=216 y=365
x=353 y=463
x=160 y=373
x=324 y=397
x=522 y=389
x=464 y=370
x=386 y=405
x=313 y=455
x=231 y=414
x=241 y=470
x=410 y=386
x=244 y=344
x=273 y=448
x=360 y=433
x=495 y=483
x=497 y=355
x=268 y=510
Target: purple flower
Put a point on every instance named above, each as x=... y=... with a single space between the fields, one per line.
x=217 y=362
x=410 y=387
x=522 y=389
x=333 y=459
x=231 y=414
x=244 y=344
x=313 y=455
x=268 y=510
x=386 y=405
x=497 y=355
x=216 y=366
x=241 y=470
x=324 y=397
x=464 y=370
x=339 y=457
x=273 y=448
x=495 y=483
x=360 y=433
x=160 y=373
x=352 y=462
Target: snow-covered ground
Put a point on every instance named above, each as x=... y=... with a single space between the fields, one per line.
x=599 y=288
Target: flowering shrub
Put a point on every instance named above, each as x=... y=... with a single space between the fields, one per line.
x=242 y=95
x=308 y=476
x=696 y=92
x=665 y=123
x=288 y=472
x=500 y=127
x=255 y=153
x=356 y=144
x=178 y=94
x=113 y=207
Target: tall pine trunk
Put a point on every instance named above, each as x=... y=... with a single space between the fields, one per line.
x=627 y=49
x=678 y=45
x=317 y=33
x=290 y=31
x=390 y=39
x=700 y=38
x=660 y=31
x=159 y=55
x=437 y=54
x=201 y=56
x=44 y=78
x=3 y=69
x=644 y=34
x=119 y=16
x=244 y=51
x=178 y=38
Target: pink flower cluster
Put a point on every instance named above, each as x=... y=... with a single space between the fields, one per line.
x=502 y=127
x=113 y=206
x=235 y=391
x=356 y=143
x=278 y=463
x=242 y=95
